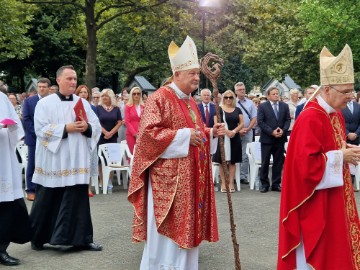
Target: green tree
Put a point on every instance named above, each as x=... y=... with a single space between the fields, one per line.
x=56 y=41
x=96 y=14
x=137 y=43
x=275 y=42
x=332 y=24
x=15 y=22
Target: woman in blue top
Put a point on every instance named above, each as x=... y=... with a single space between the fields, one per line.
x=110 y=120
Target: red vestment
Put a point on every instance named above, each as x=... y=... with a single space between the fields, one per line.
x=183 y=192
x=327 y=219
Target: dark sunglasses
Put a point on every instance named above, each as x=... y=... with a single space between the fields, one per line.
x=136 y=94
x=229 y=97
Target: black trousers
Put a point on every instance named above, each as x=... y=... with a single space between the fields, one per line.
x=277 y=150
x=61 y=216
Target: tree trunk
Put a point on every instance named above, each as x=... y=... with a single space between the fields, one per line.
x=90 y=66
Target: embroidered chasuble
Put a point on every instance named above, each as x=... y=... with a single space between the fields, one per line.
x=183 y=193
x=325 y=220
x=57 y=163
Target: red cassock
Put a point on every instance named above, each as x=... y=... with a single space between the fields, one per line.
x=183 y=191
x=327 y=219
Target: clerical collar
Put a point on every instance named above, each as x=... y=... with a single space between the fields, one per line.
x=178 y=92
x=324 y=105
x=64 y=98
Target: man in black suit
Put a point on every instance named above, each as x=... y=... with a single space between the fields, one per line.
x=207 y=108
x=274 y=121
x=352 y=121
x=30 y=136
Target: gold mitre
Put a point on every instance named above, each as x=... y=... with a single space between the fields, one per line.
x=336 y=70
x=185 y=57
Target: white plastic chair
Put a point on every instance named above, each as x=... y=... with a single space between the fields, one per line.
x=112 y=156
x=22 y=148
x=216 y=174
x=253 y=150
x=127 y=158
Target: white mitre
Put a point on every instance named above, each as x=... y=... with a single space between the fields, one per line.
x=336 y=70
x=185 y=57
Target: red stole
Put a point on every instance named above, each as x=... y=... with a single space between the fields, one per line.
x=202 y=173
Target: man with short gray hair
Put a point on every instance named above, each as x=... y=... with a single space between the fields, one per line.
x=207 y=108
x=293 y=102
x=318 y=212
x=249 y=112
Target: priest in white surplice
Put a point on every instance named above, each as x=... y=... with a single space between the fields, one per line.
x=14 y=219
x=171 y=186
x=61 y=212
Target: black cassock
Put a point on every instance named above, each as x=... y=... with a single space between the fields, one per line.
x=61 y=216
x=14 y=223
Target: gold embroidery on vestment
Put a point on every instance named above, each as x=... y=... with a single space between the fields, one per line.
x=60 y=173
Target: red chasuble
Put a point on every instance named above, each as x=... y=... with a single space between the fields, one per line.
x=184 y=204
x=326 y=219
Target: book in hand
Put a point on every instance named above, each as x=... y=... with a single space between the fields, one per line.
x=80 y=111
x=7 y=122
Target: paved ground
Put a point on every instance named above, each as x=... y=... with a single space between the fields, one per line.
x=256 y=216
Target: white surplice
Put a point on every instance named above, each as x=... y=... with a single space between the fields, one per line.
x=160 y=252
x=10 y=176
x=62 y=162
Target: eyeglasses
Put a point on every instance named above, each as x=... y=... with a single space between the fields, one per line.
x=136 y=94
x=96 y=97
x=229 y=97
x=347 y=92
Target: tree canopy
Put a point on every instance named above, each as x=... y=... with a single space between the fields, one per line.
x=15 y=22
x=258 y=39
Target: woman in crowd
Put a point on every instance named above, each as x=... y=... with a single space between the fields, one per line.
x=122 y=129
x=14 y=219
x=84 y=92
x=133 y=111
x=110 y=120
x=232 y=117
x=14 y=101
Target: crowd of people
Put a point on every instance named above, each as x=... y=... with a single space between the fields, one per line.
x=174 y=139
x=62 y=158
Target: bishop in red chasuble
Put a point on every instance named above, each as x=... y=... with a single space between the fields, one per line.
x=171 y=187
x=319 y=224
